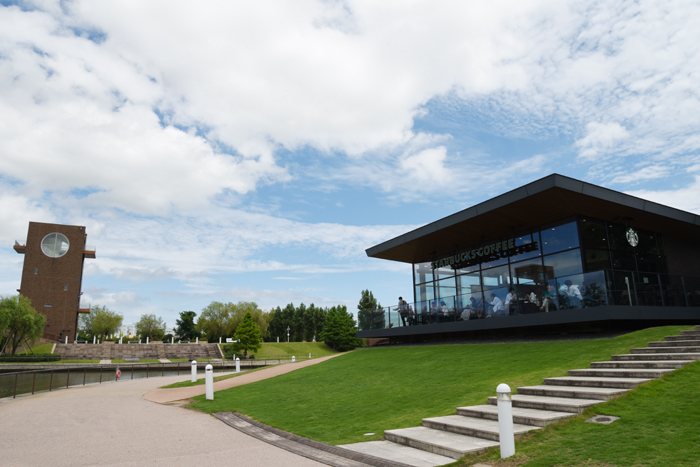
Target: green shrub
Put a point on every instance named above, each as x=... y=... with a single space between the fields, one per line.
x=45 y=357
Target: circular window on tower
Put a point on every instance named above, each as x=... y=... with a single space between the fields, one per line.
x=55 y=245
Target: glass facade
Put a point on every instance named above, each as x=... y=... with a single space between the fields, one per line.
x=571 y=264
x=533 y=260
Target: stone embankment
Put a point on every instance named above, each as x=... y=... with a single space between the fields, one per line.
x=111 y=351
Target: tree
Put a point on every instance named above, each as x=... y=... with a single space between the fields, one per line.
x=185 y=327
x=248 y=336
x=100 y=321
x=369 y=312
x=150 y=326
x=214 y=321
x=340 y=332
x=20 y=322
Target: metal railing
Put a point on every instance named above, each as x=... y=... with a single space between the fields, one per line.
x=576 y=291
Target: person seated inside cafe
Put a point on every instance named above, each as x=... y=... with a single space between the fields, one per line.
x=476 y=308
x=511 y=304
x=497 y=308
x=548 y=299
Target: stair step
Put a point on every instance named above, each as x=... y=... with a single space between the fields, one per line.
x=438 y=442
x=573 y=392
x=653 y=373
x=398 y=453
x=657 y=356
x=522 y=415
x=570 y=405
x=473 y=426
x=675 y=343
x=668 y=349
x=694 y=333
x=595 y=382
x=683 y=337
x=675 y=364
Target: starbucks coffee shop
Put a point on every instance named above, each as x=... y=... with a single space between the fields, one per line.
x=555 y=256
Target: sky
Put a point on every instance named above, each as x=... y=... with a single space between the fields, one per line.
x=228 y=151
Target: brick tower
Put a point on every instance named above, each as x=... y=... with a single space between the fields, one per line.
x=53 y=274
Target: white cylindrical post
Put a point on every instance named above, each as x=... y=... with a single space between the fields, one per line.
x=209 y=382
x=219 y=339
x=505 y=421
x=194 y=371
x=238 y=365
x=278 y=339
x=98 y=341
x=139 y=341
x=309 y=355
x=197 y=340
x=147 y=339
x=94 y=339
x=294 y=358
x=66 y=339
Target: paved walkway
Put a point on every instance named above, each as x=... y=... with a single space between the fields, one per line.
x=112 y=424
x=163 y=396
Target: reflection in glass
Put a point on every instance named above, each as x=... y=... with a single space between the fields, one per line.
x=442 y=273
x=528 y=272
x=563 y=264
x=562 y=237
x=425 y=292
x=597 y=260
x=623 y=260
x=422 y=272
x=446 y=288
x=496 y=277
x=523 y=240
x=593 y=234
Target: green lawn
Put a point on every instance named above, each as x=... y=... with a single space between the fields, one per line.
x=372 y=390
x=200 y=381
x=659 y=426
x=143 y=360
x=49 y=363
x=299 y=349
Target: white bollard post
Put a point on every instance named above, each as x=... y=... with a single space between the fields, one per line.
x=209 y=382
x=139 y=341
x=146 y=339
x=278 y=339
x=505 y=421
x=197 y=339
x=98 y=341
x=219 y=339
x=294 y=359
x=66 y=340
x=94 y=339
x=238 y=365
x=194 y=370
x=309 y=355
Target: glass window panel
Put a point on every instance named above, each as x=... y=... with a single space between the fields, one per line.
x=425 y=292
x=496 y=277
x=597 y=260
x=528 y=272
x=422 y=272
x=618 y=238
x=522 y=241
x=468 y=269
x=651 y=263
x=559 y=238
x=647 y=243
x=444 y=272
x=563 y=264
x=593 y=234
x=446 y=288
x=493 y=260
x=623 y=260
x=469 y=283
x=48 y=245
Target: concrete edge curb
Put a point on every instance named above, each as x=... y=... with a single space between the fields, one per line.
x=303 y=444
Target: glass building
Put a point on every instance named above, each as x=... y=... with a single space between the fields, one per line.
x=555 y=253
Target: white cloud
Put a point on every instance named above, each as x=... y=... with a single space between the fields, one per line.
x=601 y=138
x=647 y=173
x=686 y=198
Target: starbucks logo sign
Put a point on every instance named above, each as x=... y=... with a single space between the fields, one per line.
x=632 y=237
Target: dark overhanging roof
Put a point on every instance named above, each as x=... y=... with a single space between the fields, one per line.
x=543 y=201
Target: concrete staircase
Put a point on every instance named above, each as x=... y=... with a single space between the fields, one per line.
x=110 y=351
x=441 y=440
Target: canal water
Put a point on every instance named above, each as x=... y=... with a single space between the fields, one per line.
x=24 y=382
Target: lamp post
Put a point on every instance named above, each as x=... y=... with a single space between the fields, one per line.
x=287 y=334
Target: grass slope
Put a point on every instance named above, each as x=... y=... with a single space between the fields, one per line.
x=659 y=426
x=372 y=390
x=294 y=348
